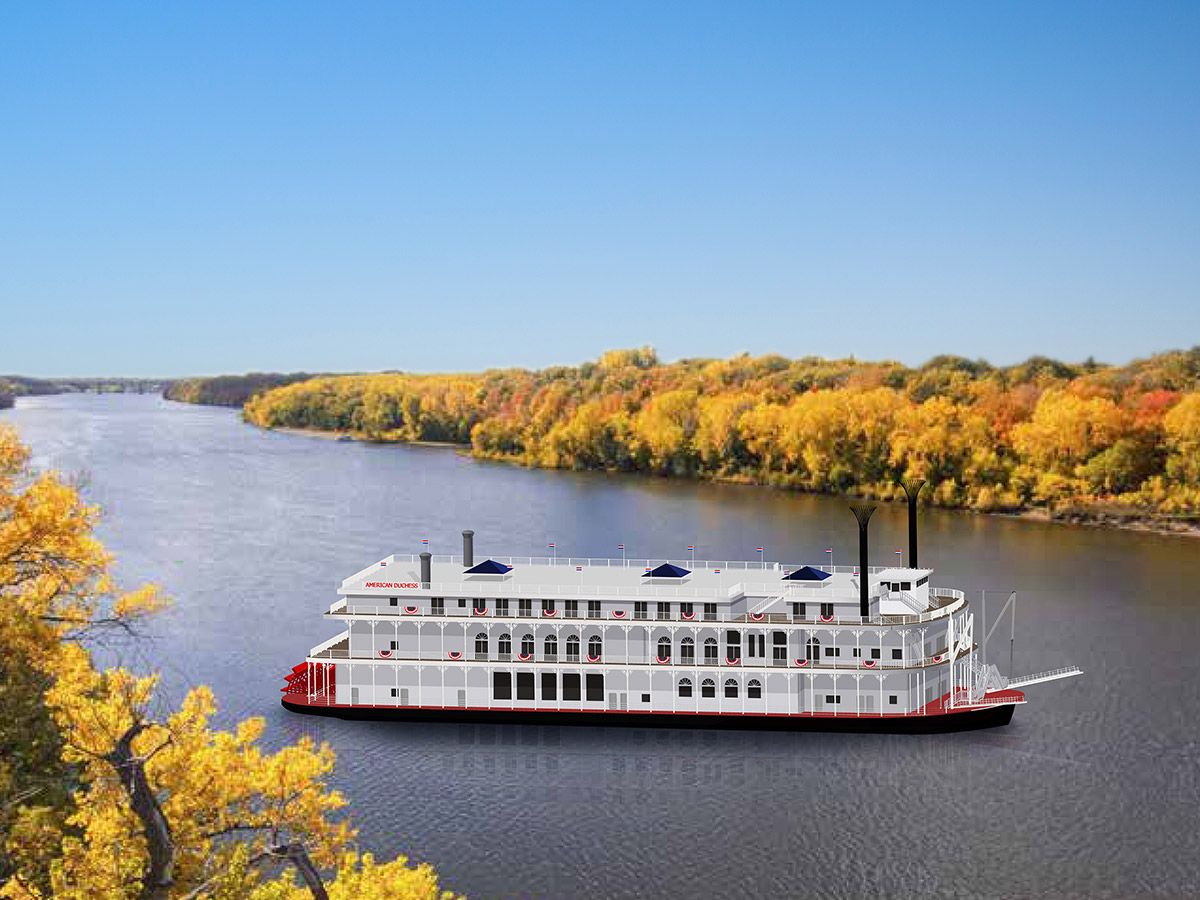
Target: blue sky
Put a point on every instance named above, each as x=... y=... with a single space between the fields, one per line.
x=204 y=188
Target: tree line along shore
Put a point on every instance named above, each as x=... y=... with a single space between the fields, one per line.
x=1084 y=442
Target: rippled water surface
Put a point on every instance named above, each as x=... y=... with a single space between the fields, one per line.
x=1091 y=792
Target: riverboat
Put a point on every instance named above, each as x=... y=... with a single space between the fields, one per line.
x=674 y=642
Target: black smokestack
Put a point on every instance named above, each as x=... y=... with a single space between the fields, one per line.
x=862 y=512
x=912 y=489
x=426 y=557
x=468 y=548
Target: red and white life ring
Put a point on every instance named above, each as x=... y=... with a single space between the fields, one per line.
x=475 y=610
x=732 y=662
x=687 y=616
x=869 y=663
x=618 y=613
x=826 y=618
x=550 y=612
x=385 y=653
x=756 y=617
x=938 y=658
x=454 y=654
x=591 y=658
x=409 y=610
x=524 y=657
x=661 y=660
x=802 y=662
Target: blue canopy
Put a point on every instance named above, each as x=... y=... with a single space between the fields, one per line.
x=807 y=573
x=489 y=567
x=666 y=570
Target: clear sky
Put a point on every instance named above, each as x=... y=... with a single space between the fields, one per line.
x=222 y=187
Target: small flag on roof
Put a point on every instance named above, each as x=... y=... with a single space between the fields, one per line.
x=716 y=571
x=828 y=549
x=620 y=546
x=550 y=545
x=579 y=568
x=690 y=547
x=758 y=549
x=899 y=552
x=424 y=540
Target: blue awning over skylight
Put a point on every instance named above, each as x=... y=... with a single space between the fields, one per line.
x=666 y=570
x=807 y=573
x=489 y=567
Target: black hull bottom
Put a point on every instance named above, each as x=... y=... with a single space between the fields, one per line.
x=968 y=720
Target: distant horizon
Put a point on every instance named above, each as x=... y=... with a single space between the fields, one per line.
x=663 y=360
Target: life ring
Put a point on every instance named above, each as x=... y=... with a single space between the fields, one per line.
x=756 y=617
x=618 y=613
x=687 y=616
x=802 y=663
x=385 y=653
x=938 y=658
x=826 y=618
x=869 y=663
x=549 y=612
x=591 y=658
x=454 y=654
x=479 y=612
x=410 y=610
x=662 y=661
x=732 y=662
x=524 y=657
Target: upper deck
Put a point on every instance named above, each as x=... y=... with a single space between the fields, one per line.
x=566 y=578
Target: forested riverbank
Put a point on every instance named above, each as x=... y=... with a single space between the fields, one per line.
x=1088 y=442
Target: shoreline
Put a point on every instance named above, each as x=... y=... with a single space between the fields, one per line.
x=1100 y=519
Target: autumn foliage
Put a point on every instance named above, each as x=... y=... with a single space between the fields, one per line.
x=105 y=792
x=1041 y=433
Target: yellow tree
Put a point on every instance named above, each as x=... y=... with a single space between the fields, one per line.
x=160 y=804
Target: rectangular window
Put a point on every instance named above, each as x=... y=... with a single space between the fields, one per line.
x=525 y=608
x=833 y=651
x=393 y=645
x=595 y=686
x=923 y=580
x=549 y=686
x=640 y=609
x=501 y=607
x=798 y=611
x=857 y=652
x=710 y=612
x=833 y=698
x=906 y=585
x=593 y=609
x=393 y=601
x=548 y=606
x=524 y=685
x=645 y=698
x=572 y=609
x=571 y=686
x=395 y=692
x=462 y=603
x=827 y=610
x=438 y=606
x=874 y=653
x=891 y=699
x=501 y=686
x=685 y=609
x=897 y=654
x=664 y=610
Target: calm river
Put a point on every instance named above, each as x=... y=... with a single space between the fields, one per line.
x=1091 y=792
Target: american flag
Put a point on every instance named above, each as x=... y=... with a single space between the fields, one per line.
x=549 y=545
x=579 y=568
x=620 y=546
x=899 y=552
x=690 y=547
x=424 y=540
x=717 y=571
x=758 y=549
x=828 y=549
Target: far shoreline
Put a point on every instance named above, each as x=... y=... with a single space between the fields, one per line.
x=1101 y=520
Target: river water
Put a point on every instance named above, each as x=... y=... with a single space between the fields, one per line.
x=1091 y=791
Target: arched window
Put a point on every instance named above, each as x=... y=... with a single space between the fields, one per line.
x=527 y=645
x=504 y=646
x=664 y=648
x=685 y=687
x=551 y=647
x=481 y=646
x=812 y=650
x=710 y=650
x=573 y=647
x=708 y=688
x=754 y=689
x=731 y=688
x=687 y=651
x=594 y=647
